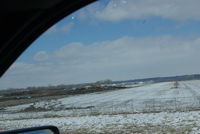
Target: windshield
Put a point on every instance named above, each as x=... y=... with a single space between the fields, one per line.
x=115 y=66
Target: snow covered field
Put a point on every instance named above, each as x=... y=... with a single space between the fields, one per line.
x=177 y=122
x=158 y=107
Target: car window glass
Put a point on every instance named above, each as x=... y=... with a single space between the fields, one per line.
x=115 y=66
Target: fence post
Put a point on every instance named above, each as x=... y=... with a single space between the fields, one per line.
x=153 y=101
x=132 y=109
x=198 y=101
x=74 y=110
x=175 y=104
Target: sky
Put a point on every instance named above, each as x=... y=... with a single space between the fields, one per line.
x=113 y=39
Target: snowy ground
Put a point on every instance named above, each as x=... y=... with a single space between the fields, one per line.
x=177 y=122
x=151 y=108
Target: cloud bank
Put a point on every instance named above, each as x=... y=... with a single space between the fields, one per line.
x=121 y=59
x=117 y=10
x=64 y=28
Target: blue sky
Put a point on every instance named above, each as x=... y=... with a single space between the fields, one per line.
x=88 y=33
x=118 y=40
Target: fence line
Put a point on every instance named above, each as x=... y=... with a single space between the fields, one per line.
x=143 y=105
x=130 y=106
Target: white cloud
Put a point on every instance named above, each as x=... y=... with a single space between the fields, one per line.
x=52 y=29
x=124 y=58
x=41 y=56
x=67 y=27
x=64 y=28
x=117 y=10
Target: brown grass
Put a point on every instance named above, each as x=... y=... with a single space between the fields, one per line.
x=131 y=129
